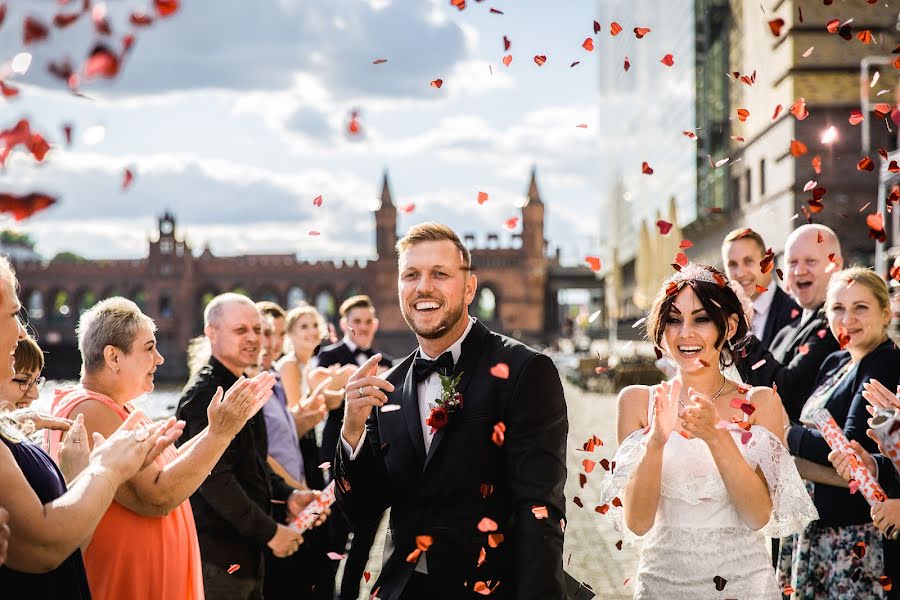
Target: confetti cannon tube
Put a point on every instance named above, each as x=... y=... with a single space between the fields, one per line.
x=886 y=426
x=315 y=508
x=834 y=435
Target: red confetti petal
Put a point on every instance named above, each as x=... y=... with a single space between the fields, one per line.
x=690 y=134
x=34 y=31
x=865 y=36
x=798 y=148
x=486 y=490
x=685 y=244
x=423 y=542
x=413 y=556
x=798 y=109
x=379 y=61
x=233 y=568
x=758 y=364
x=865 y=164
x=539 y=512
x=506 y=44
x=408 y=208
x=640 y=32
x=22 y=207
x=500 y=371
x=127 y=178
x=140 y=19
x=540 y=59
x=832 y=25
x=817 y=164
x=367 y=576
x=335 y=556
x=102 y=62
x=775 y=26
x=165 y=8
x=856 y=117
x=615 y=29
x=485 y=525
x=664 y=227
x=437 y=83
x=668 y=60
x=499 y=434
x=718 y=580
x=313 y=232
x=317 y=201
x=645 y=168
x=511 y=223
x=495 y=539
x=681 y=259
x=63 y=20
x=742 y=114
x=482 y=197
x=596 y=27
x=593 y=262
x=588 y=465
x=627 y=64
x=588 y=44
x=507 y=59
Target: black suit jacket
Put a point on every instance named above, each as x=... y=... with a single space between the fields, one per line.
x=233 y=507
x=783 y=312
x=837 y=506
x=792 y=362
x=466 y=477
x=338 y=354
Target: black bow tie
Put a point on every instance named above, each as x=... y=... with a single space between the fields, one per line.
x=424 y=367
x=360 y=352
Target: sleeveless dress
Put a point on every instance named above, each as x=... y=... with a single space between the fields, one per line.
x=130 y=555
x=67 y=581
x=698 y=546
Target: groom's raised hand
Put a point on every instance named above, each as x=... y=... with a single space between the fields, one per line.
x=364 y=390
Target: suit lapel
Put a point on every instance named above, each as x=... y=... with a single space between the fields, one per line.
x=409 y=401
x=468 y=361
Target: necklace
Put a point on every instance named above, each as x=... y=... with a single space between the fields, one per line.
x=713 y=399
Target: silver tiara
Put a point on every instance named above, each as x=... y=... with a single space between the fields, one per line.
x=692 y=272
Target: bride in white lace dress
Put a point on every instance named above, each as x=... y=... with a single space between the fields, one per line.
x=701 y=474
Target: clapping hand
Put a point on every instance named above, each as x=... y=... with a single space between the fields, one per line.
x=664 y=420
x=312 y=409
x=701 y=417
x=228 y=412
x=31 y=420
x=879 y=396
x=74 y=450
x=133 y=446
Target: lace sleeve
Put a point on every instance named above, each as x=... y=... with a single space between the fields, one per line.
x=792 y=507
x=626 y=460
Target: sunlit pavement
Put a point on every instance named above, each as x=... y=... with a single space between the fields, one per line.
x=590 y=553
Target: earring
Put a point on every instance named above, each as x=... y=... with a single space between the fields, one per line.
x=117 y=370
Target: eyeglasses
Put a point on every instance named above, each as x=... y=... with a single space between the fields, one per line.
x=26 y=384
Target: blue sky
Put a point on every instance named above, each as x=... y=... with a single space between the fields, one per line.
x=234 y=116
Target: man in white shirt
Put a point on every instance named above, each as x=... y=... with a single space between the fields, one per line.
x=466 y=445
x=744 y=254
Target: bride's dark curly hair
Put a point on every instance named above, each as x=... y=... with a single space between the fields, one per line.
x=717 y=298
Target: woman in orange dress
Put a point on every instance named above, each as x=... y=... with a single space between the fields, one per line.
x=146 y=544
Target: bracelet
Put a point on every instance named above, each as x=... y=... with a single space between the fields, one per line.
x=93 y=473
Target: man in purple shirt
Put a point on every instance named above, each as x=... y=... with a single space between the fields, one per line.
x=305 y=574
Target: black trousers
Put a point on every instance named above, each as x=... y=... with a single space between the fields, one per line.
x=357 y=554
x=304 y=575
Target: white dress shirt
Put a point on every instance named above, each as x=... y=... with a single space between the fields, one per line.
x=428 y=390
x=762 y=304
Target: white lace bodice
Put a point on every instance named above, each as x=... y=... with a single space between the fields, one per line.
x=698 y=534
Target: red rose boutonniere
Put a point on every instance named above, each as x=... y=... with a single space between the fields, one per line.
x=449 y=402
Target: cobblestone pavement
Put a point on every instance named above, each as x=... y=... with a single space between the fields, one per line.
x=590 y=553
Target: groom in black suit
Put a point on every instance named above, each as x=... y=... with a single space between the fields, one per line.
x=476 y=498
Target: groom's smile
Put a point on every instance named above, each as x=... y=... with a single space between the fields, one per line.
x=435 y=287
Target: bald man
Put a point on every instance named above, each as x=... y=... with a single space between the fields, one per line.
x=812 y=253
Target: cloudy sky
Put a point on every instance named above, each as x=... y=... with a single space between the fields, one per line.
x=234 y=116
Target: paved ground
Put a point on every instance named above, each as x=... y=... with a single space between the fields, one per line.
x=590 y=552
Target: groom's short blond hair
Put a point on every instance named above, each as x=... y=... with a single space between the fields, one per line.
x=433 y=232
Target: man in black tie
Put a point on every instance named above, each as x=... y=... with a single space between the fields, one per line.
x=359 y=324
x=743 y=253
x=465 y=441
x=812 y=253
